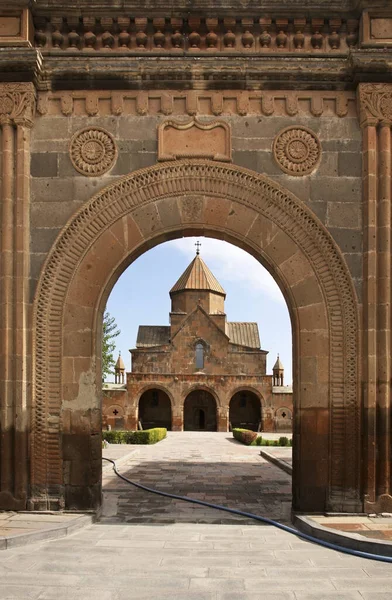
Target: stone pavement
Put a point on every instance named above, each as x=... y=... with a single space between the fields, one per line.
x=372 y=526
x=119 y=558
x=280 y=456
x=17 y=529
x=207 y=466
x=186 y=561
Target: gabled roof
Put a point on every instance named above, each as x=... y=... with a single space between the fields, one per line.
x=244 y=334
x=152 y=335
x=207 y=316
x=197 y=276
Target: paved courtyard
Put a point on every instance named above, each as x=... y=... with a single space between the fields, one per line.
x=208 y=466
x=136 y=551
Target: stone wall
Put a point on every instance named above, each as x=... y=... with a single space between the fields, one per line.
x=332 y=190
x=177 y=389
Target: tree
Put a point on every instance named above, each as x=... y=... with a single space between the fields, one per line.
x=109 y=332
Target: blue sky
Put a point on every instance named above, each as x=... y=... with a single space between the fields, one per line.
x=141 y=295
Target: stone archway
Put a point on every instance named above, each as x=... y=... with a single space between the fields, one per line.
x=200 y=411
x=245 y=410
x=123 y=221
x=154 y=409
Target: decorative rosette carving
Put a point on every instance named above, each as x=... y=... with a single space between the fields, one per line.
x=297 y=150
x=93 y=151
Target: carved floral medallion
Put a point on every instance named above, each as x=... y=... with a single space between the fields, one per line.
x=93 y=151
x=297 y=150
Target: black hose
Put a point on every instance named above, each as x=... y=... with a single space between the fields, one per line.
x=234 y=511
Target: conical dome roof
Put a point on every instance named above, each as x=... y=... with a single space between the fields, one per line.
x=197 y=276
x=278 y=366
x=120 y=364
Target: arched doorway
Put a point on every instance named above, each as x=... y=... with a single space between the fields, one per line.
x=163 y=202
x=155 y=409
x=200 y=411
x=245 y=411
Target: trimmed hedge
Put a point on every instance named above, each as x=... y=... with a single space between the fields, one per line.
x=148 y=436
x=244 y=435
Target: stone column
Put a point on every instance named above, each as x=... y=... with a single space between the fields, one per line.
x=132 y=406
x=376 y=118
x=223 y=419
x=178 y=418
x=17 y=105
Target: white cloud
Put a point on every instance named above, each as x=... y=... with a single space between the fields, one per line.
x=231 y=263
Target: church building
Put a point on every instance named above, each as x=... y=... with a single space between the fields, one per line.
x=201 y=372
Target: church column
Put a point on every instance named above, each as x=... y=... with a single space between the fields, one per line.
x=223 y=419
x=178 y=418
x=384 y=309
x=17 y=103
x=376 y=117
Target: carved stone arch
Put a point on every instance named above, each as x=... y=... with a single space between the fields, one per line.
x=246 y=388
x=201 y=341
x=153 y=386
x=201 y=386
x=173 y=200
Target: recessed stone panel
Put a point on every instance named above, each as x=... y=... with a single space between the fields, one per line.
x=194 y=139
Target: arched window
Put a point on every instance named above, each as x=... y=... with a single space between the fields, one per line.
x=199 y=356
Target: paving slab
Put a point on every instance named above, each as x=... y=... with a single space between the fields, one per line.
x=211 y=467
x=17 y=529
x=190 y=560
x=369 y=533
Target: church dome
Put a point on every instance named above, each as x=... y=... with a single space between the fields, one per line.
x=197 y=276
x=278 y=366
x=120 y=363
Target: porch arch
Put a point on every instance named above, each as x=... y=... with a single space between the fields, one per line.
x=154 y=408
x=205 y=388
x=164 y=202
x=156 y=386
x=246 y=409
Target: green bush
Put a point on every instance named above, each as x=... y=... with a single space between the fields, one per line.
x=283 y=441
x=114 y=436
x=245 y=436
x=149 y=436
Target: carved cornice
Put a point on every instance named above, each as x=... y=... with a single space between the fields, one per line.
x=250 y=35
x=375 y=103
x=201 y=5
x=173 y=102
x=17 y=103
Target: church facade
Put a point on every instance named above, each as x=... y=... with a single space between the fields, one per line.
x=201 y=372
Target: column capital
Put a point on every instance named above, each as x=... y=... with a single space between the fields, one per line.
x=375 y=104
x=17 y=103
